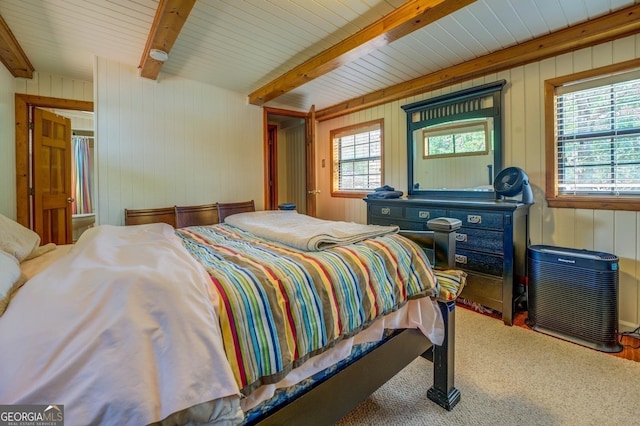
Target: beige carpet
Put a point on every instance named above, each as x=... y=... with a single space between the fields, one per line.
x=511 y=376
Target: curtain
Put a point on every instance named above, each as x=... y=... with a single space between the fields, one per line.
x=81 y=176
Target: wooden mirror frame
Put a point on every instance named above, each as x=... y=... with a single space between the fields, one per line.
x=429 y=114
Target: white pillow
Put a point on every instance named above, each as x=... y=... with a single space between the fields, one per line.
x=11 y=279
x=17 y=240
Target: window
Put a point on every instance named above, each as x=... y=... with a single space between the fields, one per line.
x=593 y=143
x=465 y=138
x=356 y=159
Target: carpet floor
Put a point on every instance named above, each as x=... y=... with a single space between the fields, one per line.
x=511 y=376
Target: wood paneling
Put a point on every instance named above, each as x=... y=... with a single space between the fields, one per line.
x=175 y=143
x=7 y=146
x=291 y=166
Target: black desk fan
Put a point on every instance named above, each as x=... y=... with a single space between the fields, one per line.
x=511 y=182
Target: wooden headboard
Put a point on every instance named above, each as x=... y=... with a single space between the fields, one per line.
x=142 y=216
x=181 y=216
x=205 y=214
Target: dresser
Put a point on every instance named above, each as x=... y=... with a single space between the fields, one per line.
x=491 y=245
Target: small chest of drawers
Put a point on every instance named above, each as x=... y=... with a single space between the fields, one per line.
x=491 y=245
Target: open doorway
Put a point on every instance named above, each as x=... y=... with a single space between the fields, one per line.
x=289 y=153
x=25 y=108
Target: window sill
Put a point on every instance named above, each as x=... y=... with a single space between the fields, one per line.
x=350 y=194
x=629 y=203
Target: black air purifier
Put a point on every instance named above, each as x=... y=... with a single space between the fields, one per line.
x=573 y=295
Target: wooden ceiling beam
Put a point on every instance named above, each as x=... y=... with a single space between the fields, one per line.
x=412 y=15
x=615 y=25
x=12 y=55
x=167 y=24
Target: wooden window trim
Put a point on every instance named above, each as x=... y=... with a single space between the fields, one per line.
x=355 y=194
x=554 y=199
x=453 y=128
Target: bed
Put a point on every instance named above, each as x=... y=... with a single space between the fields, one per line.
x=101 y=328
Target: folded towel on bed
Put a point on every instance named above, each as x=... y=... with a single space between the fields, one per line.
x=305 y=232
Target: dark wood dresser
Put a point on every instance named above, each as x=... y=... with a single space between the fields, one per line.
x=491 y=245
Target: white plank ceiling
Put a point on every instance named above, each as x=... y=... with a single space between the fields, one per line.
x=241 y=45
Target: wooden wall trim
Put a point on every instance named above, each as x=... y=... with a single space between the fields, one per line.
x=622 y=23
x=22 y=105
x=407 y=18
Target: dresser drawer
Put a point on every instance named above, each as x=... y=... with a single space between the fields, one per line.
x=386 y=211
x=480 y=239
x=479 y=219
x=484 y=289
x=481 y=262
x=424 y=214
x=403 y=224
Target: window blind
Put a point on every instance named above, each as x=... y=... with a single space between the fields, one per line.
x=359 y=161
x=598 y=136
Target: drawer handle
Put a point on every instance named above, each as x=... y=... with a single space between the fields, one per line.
x=474 y=218
x=424 y=215
x=461 y=238
x=461 y=259
x=385 y=211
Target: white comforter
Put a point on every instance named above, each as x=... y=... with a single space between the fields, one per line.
x=122 y=330
x=305 y=232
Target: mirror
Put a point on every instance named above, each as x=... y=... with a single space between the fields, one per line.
x=454 y=143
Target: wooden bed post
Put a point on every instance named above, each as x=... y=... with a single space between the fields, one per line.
x=442 y=243
x=443 y=391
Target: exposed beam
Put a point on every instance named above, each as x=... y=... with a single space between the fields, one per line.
x=12 y=55
x=615 y=25
x=409 y=17
x=167 y=24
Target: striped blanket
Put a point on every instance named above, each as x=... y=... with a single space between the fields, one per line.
x=280 y=305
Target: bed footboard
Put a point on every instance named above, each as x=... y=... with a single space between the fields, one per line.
x=330 y=400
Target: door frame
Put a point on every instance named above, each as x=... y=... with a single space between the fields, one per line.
x=23 y=104
x=310 y=178
x=272 y=160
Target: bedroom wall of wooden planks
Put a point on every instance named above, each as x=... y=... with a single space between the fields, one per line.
x=173 y=141
x=292 y=166
x=7 y=145
x=157 y=143
x=615 y=232
x=46 y=85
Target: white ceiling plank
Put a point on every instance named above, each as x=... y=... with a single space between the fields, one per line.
x=552 y=14
x=242 y=45
x=510 y=20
